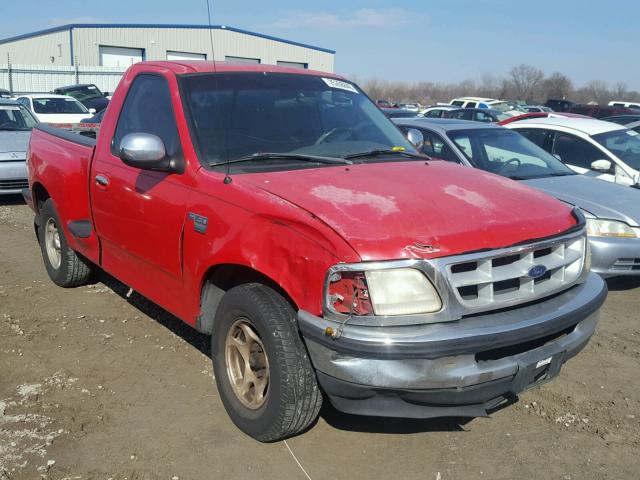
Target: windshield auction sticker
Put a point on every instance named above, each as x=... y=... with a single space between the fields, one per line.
x=333 y=83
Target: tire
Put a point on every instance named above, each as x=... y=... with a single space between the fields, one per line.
x=293 y=399
x=64 y=266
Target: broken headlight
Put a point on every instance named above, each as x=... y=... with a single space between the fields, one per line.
x=388 y=292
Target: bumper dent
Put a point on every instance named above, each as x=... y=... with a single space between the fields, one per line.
x=441 y=371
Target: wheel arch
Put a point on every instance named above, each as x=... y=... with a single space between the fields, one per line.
x=221 y=278
x=40 y=195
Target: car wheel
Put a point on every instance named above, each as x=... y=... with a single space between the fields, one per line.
x=262 y=368
x=64 y=266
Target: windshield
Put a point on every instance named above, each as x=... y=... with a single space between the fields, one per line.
x=507 y=153
x=501 y=106
x=56 y=105
x=16 y=117
x=235 y=115
x=624 y=144
x=86 y=92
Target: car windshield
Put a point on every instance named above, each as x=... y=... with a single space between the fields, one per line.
x=57 y=105
x=16 y=117
x=236 y=115
x=501 y=106
x=624 y=144
x=86 y=92
x=507 y=153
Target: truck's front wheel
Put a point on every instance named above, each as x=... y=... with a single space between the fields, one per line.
x=263 y=372
x=63 y=265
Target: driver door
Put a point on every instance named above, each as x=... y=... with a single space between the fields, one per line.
x=578 y=154
x=139 y=214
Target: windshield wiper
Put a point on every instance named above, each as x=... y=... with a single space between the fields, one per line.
x=386 y=151
x=286 y=156
x=543 y=175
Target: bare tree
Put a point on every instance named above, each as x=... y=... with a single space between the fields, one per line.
x=557 y=86
x=597 y=91
x=525 y=81
x=620 y=91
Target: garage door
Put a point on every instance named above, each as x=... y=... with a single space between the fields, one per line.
x=120 y=56
x=185 y=56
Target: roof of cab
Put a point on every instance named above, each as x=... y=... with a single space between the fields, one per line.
x=590 y=126
x=443 y=124
x=180 y=67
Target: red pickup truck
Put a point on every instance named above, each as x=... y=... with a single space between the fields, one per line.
x=280 y=211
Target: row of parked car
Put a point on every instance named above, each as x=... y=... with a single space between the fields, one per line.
x=83 y=103
x=72 y=104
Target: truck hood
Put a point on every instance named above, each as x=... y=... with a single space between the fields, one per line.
x=419 y=209
x=13 y=145
x=600 y=198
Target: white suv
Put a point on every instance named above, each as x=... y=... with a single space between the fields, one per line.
x=479 y=102
x=604 y=150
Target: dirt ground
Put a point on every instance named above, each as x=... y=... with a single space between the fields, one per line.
x=95 y=385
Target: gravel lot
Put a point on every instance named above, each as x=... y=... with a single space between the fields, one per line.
x=95 y=385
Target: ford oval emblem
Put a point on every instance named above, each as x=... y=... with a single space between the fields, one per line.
x=537 y=271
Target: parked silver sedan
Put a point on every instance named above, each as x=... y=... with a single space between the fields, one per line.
x=612 y=211
x=16 y=123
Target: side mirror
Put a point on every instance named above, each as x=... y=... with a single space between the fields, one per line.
x=92 y=111
x=416 y=138
x=145 y=151
x=601 y=165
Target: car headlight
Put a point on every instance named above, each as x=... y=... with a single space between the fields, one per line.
x=597 y=227
x=400 y=291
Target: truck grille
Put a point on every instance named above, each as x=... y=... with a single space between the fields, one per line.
x=498 y=279
x=13 y=184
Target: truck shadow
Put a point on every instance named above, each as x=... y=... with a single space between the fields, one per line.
x=175 y=325
x=618 y=284
x=11 y=200
x=334 y=418
x=391 y=425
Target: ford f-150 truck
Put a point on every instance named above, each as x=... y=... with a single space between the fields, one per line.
x=280 y=211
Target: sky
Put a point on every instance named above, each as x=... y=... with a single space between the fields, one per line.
x=411 y=40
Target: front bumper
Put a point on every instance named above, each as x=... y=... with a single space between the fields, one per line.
x=13 y=177
x=613 y=256
x=460 y=368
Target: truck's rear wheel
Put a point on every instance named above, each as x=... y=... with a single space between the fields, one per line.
x=63 y=265
x=263 y=372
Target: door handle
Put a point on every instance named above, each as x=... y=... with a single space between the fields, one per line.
x=102 y=180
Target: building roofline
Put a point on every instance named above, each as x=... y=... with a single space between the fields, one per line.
x=72 y=26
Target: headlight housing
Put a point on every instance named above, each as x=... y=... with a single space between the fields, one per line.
x=387 y=292
x=598 y=227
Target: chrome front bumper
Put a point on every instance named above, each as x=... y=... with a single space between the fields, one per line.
x=456 y=368
x=13 y=177
x=611 y=257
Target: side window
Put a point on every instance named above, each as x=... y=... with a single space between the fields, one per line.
x=24 y=101
x=457 y=103
x=464 y=144
x=483 y=105
x=535 y=135
x=483 y=117
x=148 y=109
x=575 y=151
x=442 y=150
x=471 y=105
x=433 y=114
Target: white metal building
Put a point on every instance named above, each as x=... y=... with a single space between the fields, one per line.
x=120 y=45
